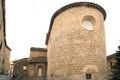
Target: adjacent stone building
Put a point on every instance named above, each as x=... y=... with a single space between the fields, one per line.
x=32 y=68
x=76 y=43
x=110 y=62
x=20 y=69
x=37 y=62
x=6 y=64
x=4 y=49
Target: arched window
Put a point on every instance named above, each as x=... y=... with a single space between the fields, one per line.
x=40 y=71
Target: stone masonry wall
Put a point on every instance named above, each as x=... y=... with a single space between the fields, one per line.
x=37 y=60
x=6 y=64
x=2 y=43
x=75 y=51
x=38 y=53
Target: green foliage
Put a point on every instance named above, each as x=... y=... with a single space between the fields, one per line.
x=115 y=68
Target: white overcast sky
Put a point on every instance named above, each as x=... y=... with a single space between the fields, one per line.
x=27 y=22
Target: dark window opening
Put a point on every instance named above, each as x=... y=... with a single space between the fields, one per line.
x=111 y=65
x=88 y=76
x=1 y=45
x=51 y=75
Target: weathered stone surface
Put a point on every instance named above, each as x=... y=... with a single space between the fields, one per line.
x=38 y=59
x=4 y=49
x=18 y=68
x=6 y=64
x=74 y=51
x=38 y=52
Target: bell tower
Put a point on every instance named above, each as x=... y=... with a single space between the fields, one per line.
x=76 y=43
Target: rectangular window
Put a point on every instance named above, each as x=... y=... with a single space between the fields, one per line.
x=88 y=76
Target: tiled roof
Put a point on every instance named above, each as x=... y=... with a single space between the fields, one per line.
x=38 y=59
x=111 y=56
x=38 y=49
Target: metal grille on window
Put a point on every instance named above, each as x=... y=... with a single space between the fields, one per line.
x=88 y=76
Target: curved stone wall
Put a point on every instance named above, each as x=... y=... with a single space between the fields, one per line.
x=75 y=51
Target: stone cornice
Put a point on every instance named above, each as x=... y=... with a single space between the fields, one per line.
x=38 y=59
x=38 y=49
x=77 y=4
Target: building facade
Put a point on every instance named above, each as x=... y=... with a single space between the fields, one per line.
x=20 y=69
x=37 y=62
x=110 y=62
x=6 y=58
x=4 y=49
x=76 y=43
